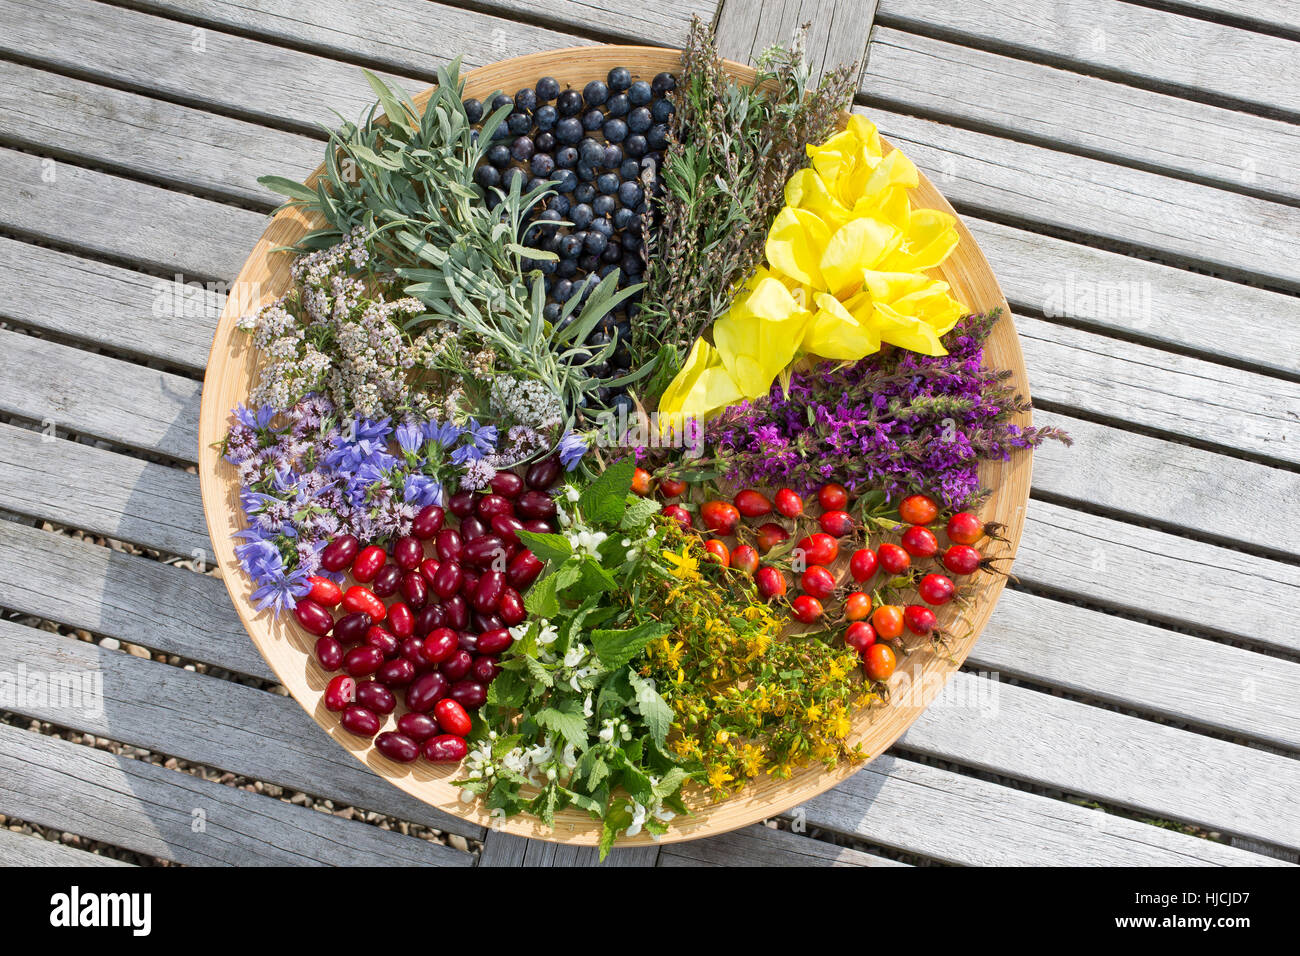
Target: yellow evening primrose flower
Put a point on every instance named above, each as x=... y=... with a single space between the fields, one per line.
x=846 y=272
x=702 y=386
x=758 y=338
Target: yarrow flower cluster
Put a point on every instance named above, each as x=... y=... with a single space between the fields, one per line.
x=896 y=421
x=308 y=474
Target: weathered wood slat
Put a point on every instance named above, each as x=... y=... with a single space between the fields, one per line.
x=1158 y=49
x=506 y=849
x=23 y=849
x=1184 y=397
x=1161 y=576
x=837 y=33
x=1144 y=478
x=186 y=148
x=103 y=305
x=1266 y=15
x=1077 y=195
x=218 y=723
x=177 y=816
x=970 y=86
x=1138 y=666
x=952 y=818
x=758 y=845
x=1134 y=297
x=119 y=595
x=1111 y=758
x=204 y=67
x=111 y=216
x=101 y=491
x=411 y=34
x=65 y=387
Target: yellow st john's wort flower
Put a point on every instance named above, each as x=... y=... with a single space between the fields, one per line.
x=685 y=567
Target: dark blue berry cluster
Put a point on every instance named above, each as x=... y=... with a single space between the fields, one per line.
x=600 y=150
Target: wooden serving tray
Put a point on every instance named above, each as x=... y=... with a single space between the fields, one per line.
x=288 y=648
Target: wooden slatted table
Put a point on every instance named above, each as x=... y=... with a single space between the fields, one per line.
x=1132 y=179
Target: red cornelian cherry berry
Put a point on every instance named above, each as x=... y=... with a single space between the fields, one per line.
x=359 y=598
x=340 y=692
x=360 y=720
x=717 y=551
x=445 y=748
x=313 y=617
x=641 y=482
x=339 y=553
x=397 y=747
x=368 y=563
x=324 y=591
x=452 y=718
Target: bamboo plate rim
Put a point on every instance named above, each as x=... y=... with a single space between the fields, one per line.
x=288 y=649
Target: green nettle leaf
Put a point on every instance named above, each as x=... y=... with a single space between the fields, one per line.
x=593 y=579
x=617 y=819
x=547 y=547
x=639 y=511
x=656 y=713
x=508 y=690
x=617 y=647
x=604 y=501
x=670 y=782
x=541 y=600
x=538 y=672
x=564 y=717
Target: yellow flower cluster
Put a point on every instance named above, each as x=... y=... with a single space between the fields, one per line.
x=846 y=261
x=745 y=702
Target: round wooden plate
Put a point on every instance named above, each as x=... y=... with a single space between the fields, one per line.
x=288 y=648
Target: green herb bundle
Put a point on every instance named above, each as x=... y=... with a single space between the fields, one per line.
x=570 y=720
x=732 y=149
x=407 y=181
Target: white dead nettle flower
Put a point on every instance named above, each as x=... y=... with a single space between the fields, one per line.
x=586 y=542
